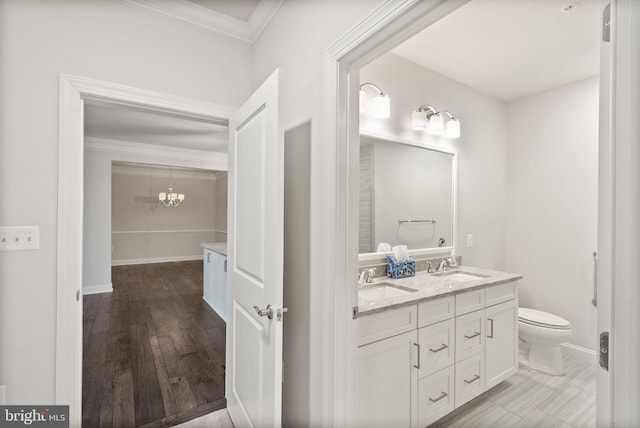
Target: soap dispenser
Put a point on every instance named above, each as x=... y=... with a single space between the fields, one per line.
x=454 y=259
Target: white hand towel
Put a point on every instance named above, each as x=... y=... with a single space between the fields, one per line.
x=400 y=252
x=383 y=247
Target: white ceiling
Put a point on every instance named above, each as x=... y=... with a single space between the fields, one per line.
x=512 y=48
x=116 y=122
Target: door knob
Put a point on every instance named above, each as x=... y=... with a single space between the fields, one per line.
x=266 y=312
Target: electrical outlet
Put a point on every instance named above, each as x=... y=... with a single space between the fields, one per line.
x=469 y=240
x=19 y=238
x=3 y=395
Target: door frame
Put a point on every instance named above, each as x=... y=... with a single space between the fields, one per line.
x=334 y=189
x=73 y=90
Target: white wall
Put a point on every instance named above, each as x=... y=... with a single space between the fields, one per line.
x=297 y=40
x=552 y=184
x=481 y=148
x=143 y=230
x=296 y=349
x=105 y=40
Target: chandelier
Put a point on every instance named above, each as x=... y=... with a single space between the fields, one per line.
x=171 y=199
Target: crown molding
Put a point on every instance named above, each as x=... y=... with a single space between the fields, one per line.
x=187 y=11
x=128 y=151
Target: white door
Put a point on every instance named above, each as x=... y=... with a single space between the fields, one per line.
x=255 y=245
x=603 y=258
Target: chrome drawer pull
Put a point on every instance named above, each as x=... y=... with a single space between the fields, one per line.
x=442 y=348
x=477 y=333
x=417 y=345
x=490 y=336
x=473 y=379
x=444 y=394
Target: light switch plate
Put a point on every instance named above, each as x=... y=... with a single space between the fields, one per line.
x=469 y=240
x=19 y=238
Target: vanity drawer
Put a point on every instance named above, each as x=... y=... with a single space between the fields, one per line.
x=437 y=347
x=435 y=396
x=470 y=335
x=469 y=381
x=469 y=301
x=501 y=293
x=436 y=310
x=386 y=324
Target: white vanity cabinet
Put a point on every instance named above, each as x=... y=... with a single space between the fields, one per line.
x=419 y=362
x=215 y=282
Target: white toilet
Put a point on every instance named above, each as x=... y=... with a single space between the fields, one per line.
x=540 y=336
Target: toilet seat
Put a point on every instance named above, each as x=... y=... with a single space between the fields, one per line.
x=542 y=319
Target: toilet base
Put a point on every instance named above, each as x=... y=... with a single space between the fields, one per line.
x=542 y=357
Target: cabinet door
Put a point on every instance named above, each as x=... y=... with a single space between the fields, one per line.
x=502 y=342
x=222 y=291
x=208 y=276
x=386 y=382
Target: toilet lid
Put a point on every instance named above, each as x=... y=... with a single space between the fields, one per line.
x=542 y=319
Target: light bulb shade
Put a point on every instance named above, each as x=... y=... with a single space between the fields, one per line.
x=162 y=196
x=181 y=197
x=436 y=124
x=381 y=106
x=418 y=121
x=363 y=100
x=453 y=128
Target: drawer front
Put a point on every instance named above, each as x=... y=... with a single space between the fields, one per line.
x=470 y=334
x=437 y=347
x=436 y=310
x=501 y=293
x=469 y=381
x=469 y=301
x=435 y=396
x=386 y=324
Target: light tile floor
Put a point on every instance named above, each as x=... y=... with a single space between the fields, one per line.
x=533 y=399
x=528 y=399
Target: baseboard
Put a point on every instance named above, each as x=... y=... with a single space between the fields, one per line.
x=155 y=260
x=579 y=353
x=95 y=289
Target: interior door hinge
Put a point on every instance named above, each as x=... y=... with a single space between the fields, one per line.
x=604 y=350
x=606 y=23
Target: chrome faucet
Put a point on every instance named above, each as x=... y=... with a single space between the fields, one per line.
x=366 y=276
x=443 y=266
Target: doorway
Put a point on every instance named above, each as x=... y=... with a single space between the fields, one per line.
x=348 y=62
x=74 y=93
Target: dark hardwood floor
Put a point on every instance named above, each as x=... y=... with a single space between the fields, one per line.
x=154 y=351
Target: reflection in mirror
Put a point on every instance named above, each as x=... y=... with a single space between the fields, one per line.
x=406 y=195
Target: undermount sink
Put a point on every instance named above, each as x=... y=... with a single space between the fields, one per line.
x=460 y=276
x=381 y=291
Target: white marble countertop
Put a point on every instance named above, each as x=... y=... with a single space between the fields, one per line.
x=430 y=286
x=218 y=247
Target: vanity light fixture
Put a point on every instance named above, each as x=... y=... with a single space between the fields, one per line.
x=427 y=118
x=381 y=103
x=171 y=199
